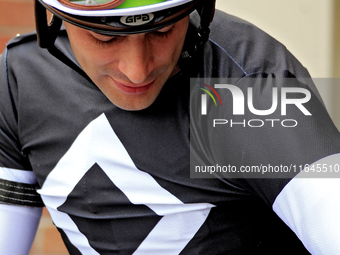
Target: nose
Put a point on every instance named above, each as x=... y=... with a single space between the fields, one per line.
x=136 y=61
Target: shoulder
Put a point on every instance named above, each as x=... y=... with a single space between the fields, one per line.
x=22 y=39
x=23 y=58
x=21 y=62
x=249 y=48
x=24 y=64
x=23 y=51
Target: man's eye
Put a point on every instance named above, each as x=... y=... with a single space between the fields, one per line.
x=164 y=33
x=103 y=39
x=106 y=41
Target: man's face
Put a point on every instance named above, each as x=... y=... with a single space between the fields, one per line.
x=130 y=70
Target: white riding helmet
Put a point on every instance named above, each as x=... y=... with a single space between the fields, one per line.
x=117 y=17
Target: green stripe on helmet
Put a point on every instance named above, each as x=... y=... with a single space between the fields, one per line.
x=138 y=3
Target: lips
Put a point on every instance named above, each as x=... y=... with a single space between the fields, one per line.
x=135 y=89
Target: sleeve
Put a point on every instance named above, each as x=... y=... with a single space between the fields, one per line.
x=20 y=204
x=17 y=181
x=276 y=134
x=18 y=228
x=311 y=208
x=300 y=156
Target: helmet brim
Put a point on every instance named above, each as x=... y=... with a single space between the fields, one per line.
x=116 y=12
x=113 y=25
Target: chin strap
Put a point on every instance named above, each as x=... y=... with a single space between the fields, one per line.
x=46 y=33
x=206 y=12
x=200 y=35
x=194 y=42
x=54 y=51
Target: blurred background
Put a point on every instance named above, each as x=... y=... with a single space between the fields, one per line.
x=310 y=29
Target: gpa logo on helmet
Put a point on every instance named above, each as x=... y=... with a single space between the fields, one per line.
x=137 y=20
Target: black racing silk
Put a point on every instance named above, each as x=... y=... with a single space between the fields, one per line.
x=92 y=159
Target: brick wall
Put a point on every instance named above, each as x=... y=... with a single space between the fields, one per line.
x=47 y=240
x=17 y=17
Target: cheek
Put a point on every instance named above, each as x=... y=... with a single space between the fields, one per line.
x=167 y=51
x=91 y=59
x=172 y=48
x=85 y=48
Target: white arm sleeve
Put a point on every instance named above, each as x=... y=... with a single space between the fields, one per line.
x=311 y=208
x=18 y=227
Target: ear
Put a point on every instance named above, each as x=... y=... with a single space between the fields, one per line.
x=46 y=33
